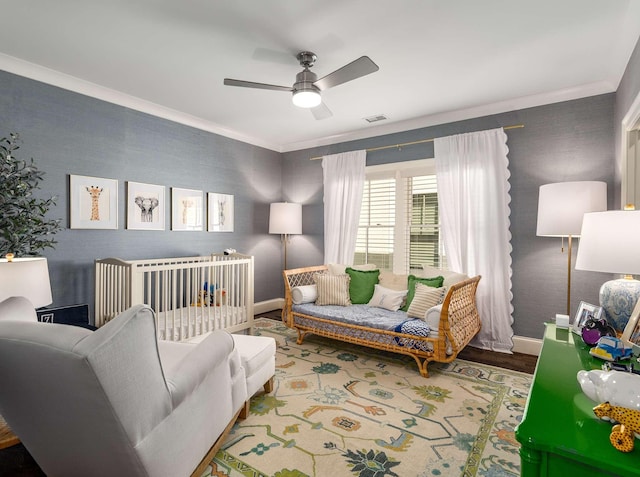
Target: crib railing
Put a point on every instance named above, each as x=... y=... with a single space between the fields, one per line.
x=190 y=295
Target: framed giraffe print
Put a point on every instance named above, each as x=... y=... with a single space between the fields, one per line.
x=93 y=202
x=187 y=209
x=146 y=206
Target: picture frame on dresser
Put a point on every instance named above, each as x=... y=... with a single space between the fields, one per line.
x=631 y=333
x=585 y=311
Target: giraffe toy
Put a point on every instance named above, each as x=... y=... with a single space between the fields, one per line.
x=622 y=434
x=95 y=205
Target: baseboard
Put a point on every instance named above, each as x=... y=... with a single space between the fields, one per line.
x=521 y=344
x=269 y=305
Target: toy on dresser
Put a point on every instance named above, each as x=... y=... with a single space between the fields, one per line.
x=619 y=395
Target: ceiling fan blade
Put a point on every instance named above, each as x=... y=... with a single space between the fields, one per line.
x=356 y=69
x=321 y=112
x=250 y=84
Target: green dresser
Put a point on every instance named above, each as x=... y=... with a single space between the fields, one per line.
x=559 y=434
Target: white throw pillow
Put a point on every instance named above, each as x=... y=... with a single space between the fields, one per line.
x=304 y=294
x=388 y=299
x=392 y=281
x=450 y=277
x=425 y=297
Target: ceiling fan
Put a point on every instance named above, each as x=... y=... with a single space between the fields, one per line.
x=307 y=87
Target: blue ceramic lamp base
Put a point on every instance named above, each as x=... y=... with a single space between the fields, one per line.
x=618 y=298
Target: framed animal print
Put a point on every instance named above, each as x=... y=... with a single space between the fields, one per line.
x=187 y=209
x=220 y=209
x=146 y=206
x=93 y=202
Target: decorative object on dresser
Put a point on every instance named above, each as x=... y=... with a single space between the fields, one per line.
x=609 y=244
x=561 y=207
x=285 y=218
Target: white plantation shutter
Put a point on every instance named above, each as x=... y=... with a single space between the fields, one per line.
x=399 y=227
x=422 y=222
x=375 y=242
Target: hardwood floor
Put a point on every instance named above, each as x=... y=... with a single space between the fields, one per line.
x=525 y=363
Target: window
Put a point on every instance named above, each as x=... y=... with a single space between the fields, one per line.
x=399 y=222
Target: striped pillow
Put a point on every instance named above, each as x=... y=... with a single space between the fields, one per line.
x=332 y=289
x=425 y=297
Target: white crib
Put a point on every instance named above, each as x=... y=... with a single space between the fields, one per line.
x=190 y=295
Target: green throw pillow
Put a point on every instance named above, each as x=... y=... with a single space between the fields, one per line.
x=362 y=285
x=435 y=282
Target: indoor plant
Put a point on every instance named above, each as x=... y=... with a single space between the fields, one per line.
x=24 y=228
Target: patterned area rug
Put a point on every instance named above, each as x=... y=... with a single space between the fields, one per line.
x=344 y=410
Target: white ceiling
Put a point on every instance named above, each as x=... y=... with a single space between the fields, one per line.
x=440 y=60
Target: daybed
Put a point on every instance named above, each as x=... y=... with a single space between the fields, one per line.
x=439 y=335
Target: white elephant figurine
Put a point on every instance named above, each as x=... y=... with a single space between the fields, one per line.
x=619 y=388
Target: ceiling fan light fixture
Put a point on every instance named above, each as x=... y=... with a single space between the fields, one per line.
x=306 y=98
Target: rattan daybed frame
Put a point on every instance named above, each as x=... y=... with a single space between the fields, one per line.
x=459 y=323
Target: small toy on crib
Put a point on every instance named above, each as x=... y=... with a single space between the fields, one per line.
x=229 y=251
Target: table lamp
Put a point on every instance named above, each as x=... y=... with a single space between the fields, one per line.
x=27 y=277
x=285 y=218
x=609 y=243
x=561 y=207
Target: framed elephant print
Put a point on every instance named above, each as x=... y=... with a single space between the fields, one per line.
x=187 y=209
x=93 y=202
x=220 y=208
x=146 y=206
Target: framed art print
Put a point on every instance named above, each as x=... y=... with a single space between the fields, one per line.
x=631 y=333
x=93 y=202
x=146 y=206
x=186 y=209
x=220 y=209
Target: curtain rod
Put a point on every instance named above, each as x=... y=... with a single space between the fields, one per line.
x=379 y=148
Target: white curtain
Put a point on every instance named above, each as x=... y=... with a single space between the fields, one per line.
x=473 y=201
x=343 y=177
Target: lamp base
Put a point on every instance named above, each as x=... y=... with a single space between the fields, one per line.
x=618 y=298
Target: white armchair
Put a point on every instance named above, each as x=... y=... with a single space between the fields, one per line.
x=115 y=402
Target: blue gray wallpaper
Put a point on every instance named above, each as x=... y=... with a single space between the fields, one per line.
x=68 y=133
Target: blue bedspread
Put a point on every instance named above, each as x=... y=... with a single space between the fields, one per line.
x=369 y=316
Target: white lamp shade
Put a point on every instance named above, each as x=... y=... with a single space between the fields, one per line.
x=609 y=242
x=285 y=218
x=27 y=277
x=562 y=205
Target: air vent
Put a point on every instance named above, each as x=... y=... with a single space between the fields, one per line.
x=376 y=118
